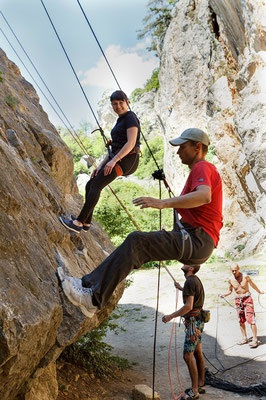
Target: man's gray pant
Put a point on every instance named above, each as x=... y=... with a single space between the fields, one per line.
x=142 y=247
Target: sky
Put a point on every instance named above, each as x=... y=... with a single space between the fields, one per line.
x=114 y=23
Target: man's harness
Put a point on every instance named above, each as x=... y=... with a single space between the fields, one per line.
x=186 y=238
x=159 y=174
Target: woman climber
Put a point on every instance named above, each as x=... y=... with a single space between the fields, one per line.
x=123 y=159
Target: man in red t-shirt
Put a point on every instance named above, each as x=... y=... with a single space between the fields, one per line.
x=191 y=241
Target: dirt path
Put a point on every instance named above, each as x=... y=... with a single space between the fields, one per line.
x=221 y=334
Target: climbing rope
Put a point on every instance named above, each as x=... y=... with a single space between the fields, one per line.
x=71 y=65
x=211 y=379
x=259 y=301
x=174 y=334
x=157 y=175
x=74 y=133
x=116 y=80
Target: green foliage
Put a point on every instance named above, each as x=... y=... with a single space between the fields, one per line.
x=156 y=22
x=212 y=259
x=152 y=84
x=211 y=154
x=11 y=101
x=93 y=145
x=147 y=165
x=1 y=76
x=240 y=247
x=136 y=95
x=91 y=353
x=115 y=221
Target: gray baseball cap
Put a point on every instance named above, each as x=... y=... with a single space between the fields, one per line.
x=194 y=134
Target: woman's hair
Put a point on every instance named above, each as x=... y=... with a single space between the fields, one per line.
x=118 y=95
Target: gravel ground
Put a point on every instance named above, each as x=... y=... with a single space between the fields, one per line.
x=230 y=362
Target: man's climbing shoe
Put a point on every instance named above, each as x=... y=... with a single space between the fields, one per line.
x=76 y=293
x=254 y=344
x=61 y=276
x=189 y=395
x=243 y=341
x=70 y=225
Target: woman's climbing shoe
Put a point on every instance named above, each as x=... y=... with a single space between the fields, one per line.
x=85 y=228
x=69 y=224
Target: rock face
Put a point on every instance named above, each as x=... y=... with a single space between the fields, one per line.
x=36 y=182
x=213 y=76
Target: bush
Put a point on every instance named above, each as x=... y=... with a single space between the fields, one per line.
x=94 y=355
x=114 y=219
x=147 y=164
x=152 y=84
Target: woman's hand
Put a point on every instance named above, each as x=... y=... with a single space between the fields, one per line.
x=95 y=172
x=109 y=167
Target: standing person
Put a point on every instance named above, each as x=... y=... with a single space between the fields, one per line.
x=123 y=160
x=244 y=303
x=193 y=299
x=192 y=243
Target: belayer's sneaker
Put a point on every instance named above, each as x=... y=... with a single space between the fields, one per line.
x=202 y=389
x=254 y=344
x=189 y=395
x=77 y=294
x=70 y=225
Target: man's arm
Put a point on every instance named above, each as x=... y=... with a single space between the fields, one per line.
x=201 y=195
x=253 y=285
x=230 y=289
x=188 y=306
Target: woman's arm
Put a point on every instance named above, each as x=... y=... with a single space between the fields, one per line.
x=132 y=134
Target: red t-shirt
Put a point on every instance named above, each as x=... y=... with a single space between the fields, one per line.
x=208 y=216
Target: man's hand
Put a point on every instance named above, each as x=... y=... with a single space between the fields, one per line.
x=167 y=318
x=178 y=286
x=145 y=202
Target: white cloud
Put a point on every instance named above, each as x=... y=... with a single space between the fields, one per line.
x=131 y=68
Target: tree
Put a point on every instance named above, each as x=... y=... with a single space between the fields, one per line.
x=157 y=22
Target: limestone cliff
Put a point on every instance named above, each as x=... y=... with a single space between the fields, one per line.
x=213 y=76
x=37 y=184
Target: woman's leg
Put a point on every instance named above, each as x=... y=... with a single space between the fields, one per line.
x=93 y=191
x=95 y=185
